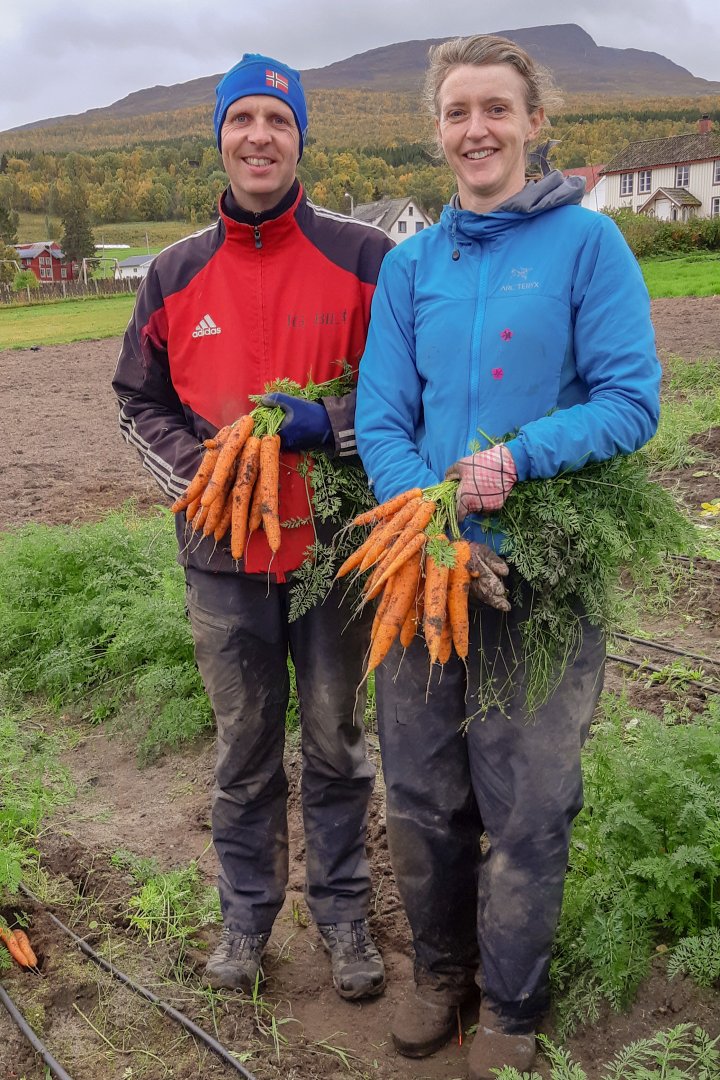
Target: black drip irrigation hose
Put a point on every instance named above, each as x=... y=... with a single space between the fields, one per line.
x=707 y=687
x=175 y=1014
x=666 y=648
x=39 y=1047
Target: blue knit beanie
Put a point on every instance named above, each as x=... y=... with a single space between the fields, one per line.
x=256 y=74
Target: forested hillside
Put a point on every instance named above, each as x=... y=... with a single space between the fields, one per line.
x=366 y=143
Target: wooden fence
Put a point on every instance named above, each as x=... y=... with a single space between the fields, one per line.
x=67 y=290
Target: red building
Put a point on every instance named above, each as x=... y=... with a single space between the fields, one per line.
x=47 y=261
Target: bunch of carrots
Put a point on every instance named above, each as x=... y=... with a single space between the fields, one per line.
x=421 y=576
x=18 y=945
x=236 y=487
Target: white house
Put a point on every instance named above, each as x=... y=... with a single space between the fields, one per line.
x=595 y=197
x=674 y=179
x=135 y=266
x=400 y=218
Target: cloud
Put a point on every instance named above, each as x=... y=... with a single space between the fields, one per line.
x=59 y=60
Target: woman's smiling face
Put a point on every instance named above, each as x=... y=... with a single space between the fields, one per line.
x=484 y=127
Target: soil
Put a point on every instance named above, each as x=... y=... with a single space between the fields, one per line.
x=63 y=461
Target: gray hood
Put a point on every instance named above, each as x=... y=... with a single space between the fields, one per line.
x=538 y=195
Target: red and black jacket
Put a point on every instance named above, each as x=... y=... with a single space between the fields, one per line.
x=226 y=311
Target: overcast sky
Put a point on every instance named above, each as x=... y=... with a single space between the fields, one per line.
x=58 y=58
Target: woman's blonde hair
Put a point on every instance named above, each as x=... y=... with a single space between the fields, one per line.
x=540 y=92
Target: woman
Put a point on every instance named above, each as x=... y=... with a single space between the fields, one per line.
x=519 y=312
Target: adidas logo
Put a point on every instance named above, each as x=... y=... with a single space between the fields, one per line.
x=205 y=327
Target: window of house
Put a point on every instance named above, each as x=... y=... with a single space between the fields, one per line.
x=682 y=175
x=626 y=183
x=45 y=271
x=419 y=226
x=402 y=226
x=715 y=206
x=63 y=272
x=716 y=172
x=645 y=182
x=410 y=211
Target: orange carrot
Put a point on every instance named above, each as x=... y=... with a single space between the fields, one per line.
x=406 y=552
x=387 y=509
x=199 y=520
x=382 y=607
x=401 y=600
x=356 y=557
x=389 y=528
x=413 y=617
x=197 y=485
x=217 y=440
x=241 y=493
x=436 y=579
x=446 y=641
x=225 y=521
x=14 y=947
x=221 y=478
x=457 y=598
x=255 y=515
x=269 y=479
x=24 y=943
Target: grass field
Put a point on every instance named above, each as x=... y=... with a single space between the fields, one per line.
x=34 y=227
x=688 y=275
x=68 y=320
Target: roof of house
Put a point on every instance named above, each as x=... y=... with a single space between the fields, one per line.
x=590 y=172
x=136 y=260
x=680 y=196
x=384 y=212
x=671 y=151
x=31 y=251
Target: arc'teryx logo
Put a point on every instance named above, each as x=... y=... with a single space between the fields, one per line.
x=206 y=327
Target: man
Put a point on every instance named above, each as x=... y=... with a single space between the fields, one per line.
x=277 y=288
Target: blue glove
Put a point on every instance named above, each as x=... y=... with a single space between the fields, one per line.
x=306 y=425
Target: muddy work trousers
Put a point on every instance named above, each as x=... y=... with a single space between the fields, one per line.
x=242 y=641
x=484 y=907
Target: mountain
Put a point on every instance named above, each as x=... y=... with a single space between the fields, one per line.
x=578 y=64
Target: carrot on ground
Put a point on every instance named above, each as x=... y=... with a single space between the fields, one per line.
x=241 y=494
x=457 y=598
x=436 y=579
x=199 y=482
x=221 y=478
x=14 y=947
x=24 y=942
x=269 y=481
x=401 y=600
x=387 y=509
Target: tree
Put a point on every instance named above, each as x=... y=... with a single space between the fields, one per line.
x=77 y=240
x=8 y=226
x=8 y=263
x=25 y=279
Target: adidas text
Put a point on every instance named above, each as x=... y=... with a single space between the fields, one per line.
x=206 y=327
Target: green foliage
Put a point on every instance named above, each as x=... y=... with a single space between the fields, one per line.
x=54 y=323
x=77 y=240
x=569 y=538
x=648 y=236
x=31 y=784
x=93 y=615
x=8 y=225
x=173 y=906
x=698 y=956
x=25 y=279
x=690 y=406
x=683 y=1053
x=645 y=854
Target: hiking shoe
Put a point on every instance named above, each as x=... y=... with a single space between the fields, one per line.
x=422 y=1024
x=493 y=1049
x=357 y=967
x=236 y=962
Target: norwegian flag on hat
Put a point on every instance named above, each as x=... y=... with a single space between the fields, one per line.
x=274 y=78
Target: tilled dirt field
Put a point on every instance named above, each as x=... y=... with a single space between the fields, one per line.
x=62 y=461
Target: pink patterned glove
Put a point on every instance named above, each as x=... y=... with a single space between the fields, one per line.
x=486 y=480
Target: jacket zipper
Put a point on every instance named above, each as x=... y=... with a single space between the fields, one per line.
x=258 y=238
x=476 y=358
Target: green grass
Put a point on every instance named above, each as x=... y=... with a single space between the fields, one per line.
x=33 y=227
x=64 y=321
x=689 y=275
x=691 y=406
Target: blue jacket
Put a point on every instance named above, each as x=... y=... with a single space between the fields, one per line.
x=533 y=319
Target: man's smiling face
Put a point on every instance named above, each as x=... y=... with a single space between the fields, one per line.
x=260 y=147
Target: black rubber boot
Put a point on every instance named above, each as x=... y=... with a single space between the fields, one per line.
x=357 y=966
x=236 y=962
